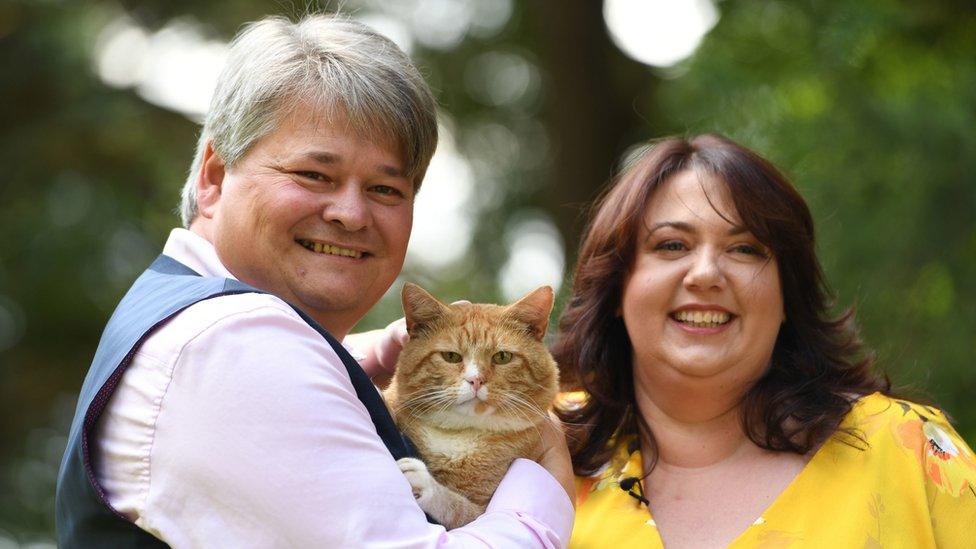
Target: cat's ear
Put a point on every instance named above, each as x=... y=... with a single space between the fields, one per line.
x=420 y=308
x=533 y=311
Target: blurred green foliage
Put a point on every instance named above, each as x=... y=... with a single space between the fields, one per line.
x=867 y=105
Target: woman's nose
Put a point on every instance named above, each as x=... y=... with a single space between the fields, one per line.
x=705 y=271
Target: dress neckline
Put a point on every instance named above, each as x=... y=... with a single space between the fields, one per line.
x=630 y=464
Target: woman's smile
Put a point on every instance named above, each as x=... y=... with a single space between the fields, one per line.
x=714 y=287
x=702 y=319
x=689 y=323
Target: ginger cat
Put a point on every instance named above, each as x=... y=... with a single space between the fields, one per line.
x=470 y=389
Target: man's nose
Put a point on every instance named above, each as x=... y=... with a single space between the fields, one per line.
x=348 y=207
x=705 y=271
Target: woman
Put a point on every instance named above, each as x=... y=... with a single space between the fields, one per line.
x=723 y=404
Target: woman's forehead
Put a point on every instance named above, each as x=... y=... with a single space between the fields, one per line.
x=695 y=197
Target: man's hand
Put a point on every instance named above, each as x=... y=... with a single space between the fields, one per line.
x=381 y=349
x=388 y=347
x=554 y=455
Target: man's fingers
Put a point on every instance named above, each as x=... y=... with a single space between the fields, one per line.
x=388 y=349
x=398 y=331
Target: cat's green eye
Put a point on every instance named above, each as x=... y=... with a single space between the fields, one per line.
x=451 y=356
x=501 y=357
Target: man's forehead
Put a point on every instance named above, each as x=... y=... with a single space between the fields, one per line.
x=311 y=120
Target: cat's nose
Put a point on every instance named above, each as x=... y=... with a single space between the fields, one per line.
x=475 y=381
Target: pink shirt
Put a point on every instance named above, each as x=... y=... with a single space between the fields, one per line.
x=236 y=425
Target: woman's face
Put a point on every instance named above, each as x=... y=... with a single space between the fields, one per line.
x=703 y=299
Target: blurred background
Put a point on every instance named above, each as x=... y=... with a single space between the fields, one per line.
x=867 y=104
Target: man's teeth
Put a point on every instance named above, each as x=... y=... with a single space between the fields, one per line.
x=702 y=319
x=318 y=247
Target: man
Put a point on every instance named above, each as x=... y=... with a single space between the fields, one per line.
x=220 y=408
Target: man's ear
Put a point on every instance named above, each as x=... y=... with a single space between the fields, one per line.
x=210 y=181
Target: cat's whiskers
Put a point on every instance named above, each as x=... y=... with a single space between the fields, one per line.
x=432 y=392
x=527 y=405
x=422 y=402
x=513 y=409
x=434 y=404
x=537 y=411
x=415 y=415
x=446 y=406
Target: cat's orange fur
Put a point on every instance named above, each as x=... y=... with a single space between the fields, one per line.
x=470 y=419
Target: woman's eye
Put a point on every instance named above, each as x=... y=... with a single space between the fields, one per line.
x=670 y=246
x=501 y=357
x=750 y=250
x=451 y=356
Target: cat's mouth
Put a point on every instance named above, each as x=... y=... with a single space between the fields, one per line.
x=475 y=406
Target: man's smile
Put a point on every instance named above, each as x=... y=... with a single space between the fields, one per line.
x=330 y=249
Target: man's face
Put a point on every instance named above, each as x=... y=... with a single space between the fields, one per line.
x=315 y=214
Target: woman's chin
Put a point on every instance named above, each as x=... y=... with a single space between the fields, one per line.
x=702 y=366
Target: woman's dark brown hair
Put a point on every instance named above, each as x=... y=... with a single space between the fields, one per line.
x=818 y=365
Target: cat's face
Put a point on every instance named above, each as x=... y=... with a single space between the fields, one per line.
x=477 y=365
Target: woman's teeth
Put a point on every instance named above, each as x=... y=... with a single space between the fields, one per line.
x=318 y=247
x=702 y=319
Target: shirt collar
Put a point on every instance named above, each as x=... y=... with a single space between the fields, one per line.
x=195 y=252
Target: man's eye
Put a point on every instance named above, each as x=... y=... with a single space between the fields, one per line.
x=312 y=175
x=670 y=246
x=386 y=190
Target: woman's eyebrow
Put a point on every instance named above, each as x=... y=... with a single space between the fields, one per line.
x=689 y=228
x=678 y=225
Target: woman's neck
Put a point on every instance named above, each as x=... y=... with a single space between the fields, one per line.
x=693 y=430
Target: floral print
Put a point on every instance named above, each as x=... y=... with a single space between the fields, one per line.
x=908 y=482
x=948 y=463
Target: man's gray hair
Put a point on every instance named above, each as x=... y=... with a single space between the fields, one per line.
x=322 y=61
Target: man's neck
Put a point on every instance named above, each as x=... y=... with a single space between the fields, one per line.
x=201 y=227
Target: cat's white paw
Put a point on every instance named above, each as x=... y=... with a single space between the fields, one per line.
x=421 y=482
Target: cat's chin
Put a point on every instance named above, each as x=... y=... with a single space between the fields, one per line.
x=464 y=417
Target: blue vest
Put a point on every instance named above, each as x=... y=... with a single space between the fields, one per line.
x=84 y=517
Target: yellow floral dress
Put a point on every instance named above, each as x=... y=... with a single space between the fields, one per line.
x=913 y=486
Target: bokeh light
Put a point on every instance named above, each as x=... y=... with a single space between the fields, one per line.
x=443 y=219
x=535 y=255
x=659 y=32
x=175 y=67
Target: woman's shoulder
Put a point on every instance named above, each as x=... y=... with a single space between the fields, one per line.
x=871 y=412
x=875 y=415
x=879 y=403
x=921 y=434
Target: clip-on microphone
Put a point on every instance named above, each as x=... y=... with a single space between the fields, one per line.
x=628 y=484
